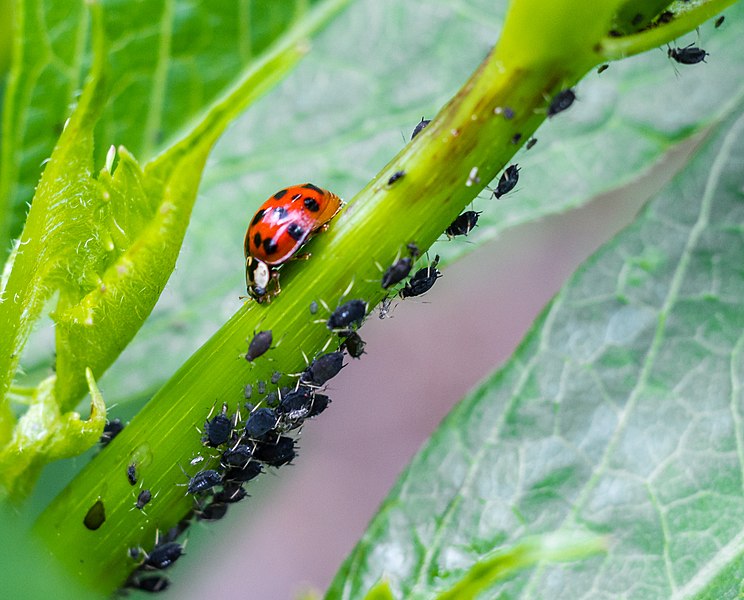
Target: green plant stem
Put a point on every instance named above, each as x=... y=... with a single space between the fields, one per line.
x=463 y=148
x=614 y=48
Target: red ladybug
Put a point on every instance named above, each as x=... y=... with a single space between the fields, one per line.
x=279 y=229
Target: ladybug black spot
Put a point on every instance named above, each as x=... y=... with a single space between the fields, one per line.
x=278 y=196
x=295 y=231
x=315 y=188
x=257 y=240
x=259 y=215
x=270 y=246
x=280 y=212
x=311 y=204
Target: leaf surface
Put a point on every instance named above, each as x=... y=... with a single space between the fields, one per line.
x=620 y=414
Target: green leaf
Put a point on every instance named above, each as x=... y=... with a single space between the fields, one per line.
x=169 y=60
x=44 y=434
x=28 y=569
x=621 y=413
x=108 y=245
x=339 y=133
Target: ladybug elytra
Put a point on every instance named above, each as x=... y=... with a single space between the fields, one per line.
x=278 y=230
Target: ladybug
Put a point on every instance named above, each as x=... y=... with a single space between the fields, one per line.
x=278 y=230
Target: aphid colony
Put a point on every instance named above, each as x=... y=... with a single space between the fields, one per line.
x=246 y=443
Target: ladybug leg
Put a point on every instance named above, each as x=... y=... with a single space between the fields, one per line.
x=302 y=256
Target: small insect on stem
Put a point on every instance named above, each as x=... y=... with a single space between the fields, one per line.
x=561 y=101
x=689 y=55
x=508 y=181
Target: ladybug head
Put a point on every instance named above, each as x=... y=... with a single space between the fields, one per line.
x=257 y=277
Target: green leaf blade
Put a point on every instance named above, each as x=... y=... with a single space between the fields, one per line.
x=620 y=413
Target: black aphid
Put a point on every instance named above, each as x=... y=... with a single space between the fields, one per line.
x=296 y=404
x=259 y=345
x=155 y=584
x=163 y=556
x=237 y=456
x=354 y=344
x=213 y=511
x=260 y=423
x=243 y=473
x=397 y=272
x=204 y=481
x=277 y=454
x=231 y=493
x=689 y=55
x=275 y=377
x=323 y=368
x=422 y=281
x=463 y=224
x=132 y=474
x=719 y=21
x=419 y=127
x=348 y=314
x=320 y=403
x=217 y=430
x=143 y=498
x=561 y=101
x=110 y=431
x=95 y=516
x=396 y=176
x=530 y=142
x=507 y=181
